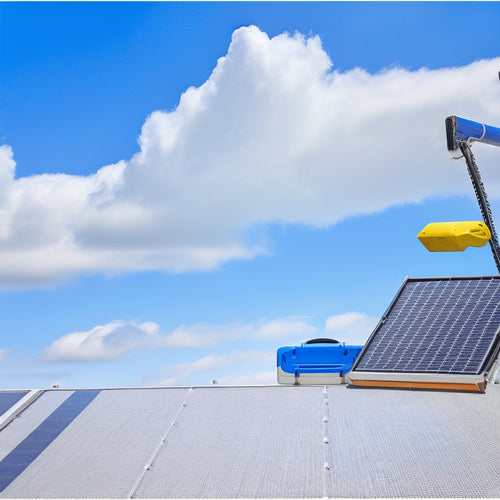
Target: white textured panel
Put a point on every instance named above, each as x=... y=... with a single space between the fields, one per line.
x=103 y=452
x=243 y=442
x=269 y=442
x=30 y=419
x=390 y=443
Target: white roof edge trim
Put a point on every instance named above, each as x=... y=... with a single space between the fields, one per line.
x=417 y=377
x=128 y=388
x=19 y=407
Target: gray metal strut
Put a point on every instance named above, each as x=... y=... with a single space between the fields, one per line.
x=482 y=199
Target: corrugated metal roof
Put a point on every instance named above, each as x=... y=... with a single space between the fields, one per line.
x=250 y=442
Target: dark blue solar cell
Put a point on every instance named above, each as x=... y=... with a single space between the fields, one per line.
x=437 y=326
x=34 y=444
x=9 y=398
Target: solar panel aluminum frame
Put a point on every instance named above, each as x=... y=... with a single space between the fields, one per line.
x=493 y=371
x=420 y=380
x=474 y=383
x=19 y=407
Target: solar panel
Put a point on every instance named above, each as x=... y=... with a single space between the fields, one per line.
x=9 y=399
x=436 y=326
x=15 y=462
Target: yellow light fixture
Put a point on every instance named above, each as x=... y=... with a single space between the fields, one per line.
x=454 y=236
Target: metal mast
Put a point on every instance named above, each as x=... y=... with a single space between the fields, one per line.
x=460 y=135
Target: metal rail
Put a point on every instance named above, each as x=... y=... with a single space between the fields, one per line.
x=482 y=199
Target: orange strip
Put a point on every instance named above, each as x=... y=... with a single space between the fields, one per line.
x=421 y=385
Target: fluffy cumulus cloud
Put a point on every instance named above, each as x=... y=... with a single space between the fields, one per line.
x=104 y=342
x=120 y=337
x=274 y=135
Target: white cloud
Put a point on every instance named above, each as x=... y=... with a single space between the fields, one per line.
x=260 y=378
x=284 y=327
x=272 y=135
x=203 y=335
x=104 y=342
x=120 y=337
x=212 y=365
x=353 y=328
x=7 y=168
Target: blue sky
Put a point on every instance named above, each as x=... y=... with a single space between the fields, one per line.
x=185 y=187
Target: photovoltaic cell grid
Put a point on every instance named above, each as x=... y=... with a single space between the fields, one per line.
x=437 y=326
x=33 y=445
x=9 y=399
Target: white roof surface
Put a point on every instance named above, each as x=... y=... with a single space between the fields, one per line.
x=256 y=442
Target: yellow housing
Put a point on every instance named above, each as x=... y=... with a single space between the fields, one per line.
x=454 y=236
